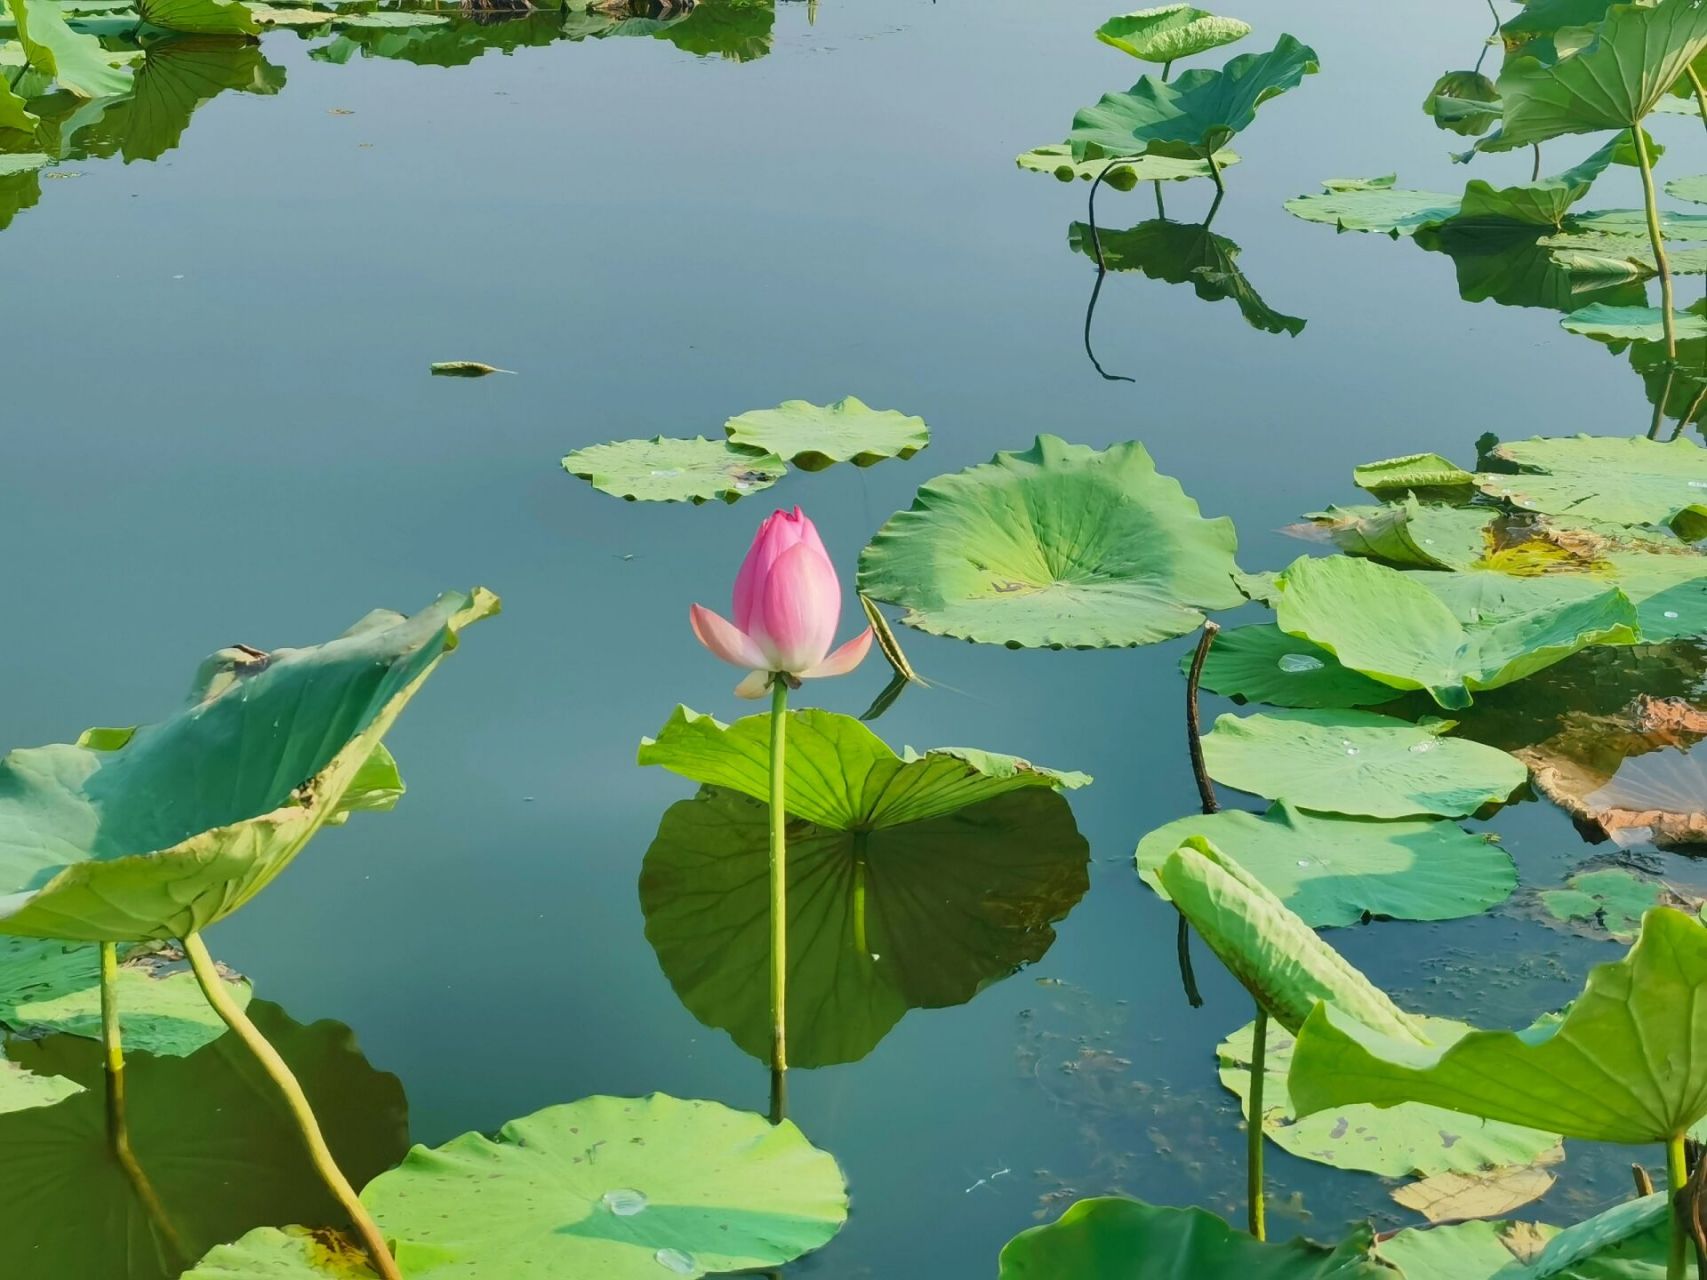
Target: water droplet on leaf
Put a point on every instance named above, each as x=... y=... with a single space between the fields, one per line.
x=1294 y=663
x=675 y=1260
x=625 y=1202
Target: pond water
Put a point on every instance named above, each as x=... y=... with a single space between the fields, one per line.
x=221 y=428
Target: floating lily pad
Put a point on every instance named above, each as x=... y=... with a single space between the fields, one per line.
x=1170 y=32
x=1061 y=546
x=1612 y=898
x=1057 y=158
x=391 y=19
x=1410 y=534
x=1338 y=871
x=1374 y=204
x=1410 y=472
x=1616 y=479
x=290 y=1253
x=614 y=1188
x=1453 y=1197
x=1626 y=1242
x=1359 y=763
x=814 y=436
x=1692 y=188
x=661 y=470
x=1261 y=663
x=1631 y=324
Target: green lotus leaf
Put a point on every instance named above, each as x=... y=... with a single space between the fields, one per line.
x=1411 y=534
x=841 y=775
x=15 y=114
x=1631 y=324
x=918 y=915
x=737 y=30
x=391 y=19
x=1410 y=1140
x=613 y=1188
x=1626 y=1063
x=1061 y=546
x=76 y=60
x=814 y=436
x=218 y=1149
x=1613 y=479
x=1261 y=663
x=1374 y=204
x=1613 y=255
x=193 y=816
x=290 y=1253
x=1692 y=188
x=1057 y=158
x=21 y=1090
x=199 y=17
x=1510 y=265
x=1457 y=103
x=1451 y=634
x=1194 y=115
x=1667 y=586
x=661 y=470
x=1359 y=763
x=1338 y=871
x=1543 y=203
x=1626 y=1242
x=1183 y=253
x=1612 y=898
x=1112 y=1238
x=1410 y=472
x=1280 y=960
x=1171 y=32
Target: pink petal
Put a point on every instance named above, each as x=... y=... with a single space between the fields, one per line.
x=724 y=639
x=780 y=531
x=755 y=685
x=798 y=610
x=843 y=660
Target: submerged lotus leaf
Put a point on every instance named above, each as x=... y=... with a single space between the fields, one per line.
x=191 y=817
x=617 y=1188
x=289 y=1253
x=1061 y=546
x=1607 y=323
x=1194 y=115
x=1410 y=472
x=1451 y=634
x=1057 y=158
x=1615 y=479
x=1261 y=663
x=75 y=59
x=1373 y=204
x=812 y=436
x=1613 y=898
x=21 y=1090
x=1411 y=534
x=1338 y=871
x=1359 y=763
x=920 y=915
x=1626 y=1063
x=1170 y=32
x=1412 y=1140
x=1113 y=1238
x=1457 y=103
x=662 y=470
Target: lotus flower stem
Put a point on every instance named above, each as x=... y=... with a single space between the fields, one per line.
x=1215 y=172
x=1677 y=1174
x=1657 y=237
x=207 y=977
x=1253 y=1126
x=779 y=875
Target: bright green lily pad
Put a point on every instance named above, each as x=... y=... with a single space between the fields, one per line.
x=1359 y=763
x=1170 y=32
x=21 y=1090
x=814 y=436
x=662 y=470
x=289 y=1253
x=1061 y=546
x=1410 y=472
x=1057 y=158
x=1373 y=204
x=1615 y=479
x=1631 y=324
x=1410 y=534
x=614 y=1188
x=1261 y=663
x=1338 y=871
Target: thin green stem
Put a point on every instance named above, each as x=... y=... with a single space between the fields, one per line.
x=1167 y=67
x=111 y=1039
x=1657 y=237
x=779 y=875
x=1677 y=1174
x=207 y=977
x=1700 y=91
x=1215 y=172
x=1253 y=1128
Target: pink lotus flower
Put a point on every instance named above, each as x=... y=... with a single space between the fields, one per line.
x=787 y=604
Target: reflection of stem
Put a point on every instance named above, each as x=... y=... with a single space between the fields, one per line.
x=861 y=943
x=1161 y=209
x=207 y=977
x=1253 y=1130
x=1660 y=404
x=1657 y=237
x=1535 y=169
x=779 y=1095
x=779 y=876
x=1689 y=414
x=1167 y=67
x=1090 y=311
x=1677 y=1262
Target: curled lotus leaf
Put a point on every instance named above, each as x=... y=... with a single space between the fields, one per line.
x=1460 y=102
x=1057 y=158
x=1410 y=472
x=1614 y=479
x=1170 y=32
x=664 y=470
x=1410 y=534
x=77 y=61
x=177 y=824
x=1060 y=546
x=813 y=436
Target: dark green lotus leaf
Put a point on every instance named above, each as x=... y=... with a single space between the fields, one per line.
x=661 y=470
x=1614 y=479
x=1338 y=871
x=1512 y=266
x=920 y=915
x=1373 y=204
x=1409 y=473
x=466 y=37
x=193 y=816
x=1170 y=32
x=199 y=17
x=814 y=436
x=289 y=1253
x=1626 y=1063
x=1631 y=324
x=1261 y=663
x=1057 y=158
x=1112 y=1238
x=15 y=114
x=734 y=30
x=1359 y=763
x=76 y=60
x=1061 y=546
x=618 y=1188
x=1453 y=103
x=1410 y=534
x=1184 y=253
x=1194 y=115
x=218 y=1149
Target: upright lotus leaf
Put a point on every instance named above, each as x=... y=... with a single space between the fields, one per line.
x=1410 y=534
x=814 y=436
x=193 y=816
x=1261 y=663
x=1359 y=763
x=1410 y=472
x=660 y=470
x=1061 y=546
x=1183 y=253
x=76 y=60
x=1615 y=479
x=1194 y=115
x=1057 y=158
x=618 y=1188
x=1280 y=960
x=1626 y=1063
x=1612 y=82
x=1171 y=32
x=1393 y=627
x=1543 y=203
x=1113 y=1238
x=1454 y=101
x=199 y=17
x=1338 y=871
x=288 y=1253
x=15 y=114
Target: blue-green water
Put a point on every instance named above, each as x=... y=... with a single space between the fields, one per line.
x=219 y=427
